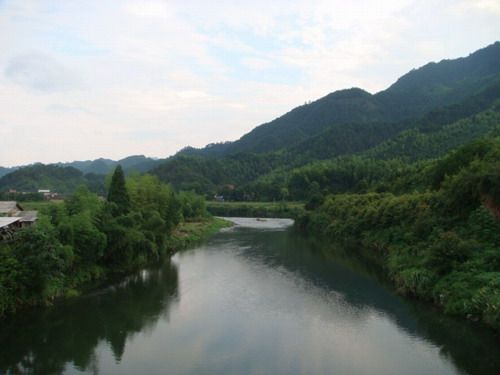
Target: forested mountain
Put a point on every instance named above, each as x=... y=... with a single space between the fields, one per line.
x=412 y=96
x=440 y=242
x=337 y=161
x=444 y=83
x=4 y=170
x=137 y=163
x=58 y=179
x=65 y=177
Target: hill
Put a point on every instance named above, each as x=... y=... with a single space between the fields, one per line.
x=410 y=97
x=135 y=163
x=38 y=176
x=4 y=170
x=427 y=112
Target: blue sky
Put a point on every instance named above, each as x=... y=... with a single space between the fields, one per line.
x=87 y=79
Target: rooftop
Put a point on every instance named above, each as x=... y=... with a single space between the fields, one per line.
x=9 y=206
x=27 y=216
x=6 y=221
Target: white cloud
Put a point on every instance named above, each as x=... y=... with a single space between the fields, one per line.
x=40 y=72
x=257 y=63
x=193 y=94
x=489 y=6
x=151 y=9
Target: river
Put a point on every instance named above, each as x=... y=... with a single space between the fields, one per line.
x=254 y=299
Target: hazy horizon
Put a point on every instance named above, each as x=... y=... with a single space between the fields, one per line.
x=85 y=80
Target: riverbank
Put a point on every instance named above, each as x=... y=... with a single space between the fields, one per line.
x=256 y=299
x=191 y=232
x=93 y=276
x=256 y=209
x=451 y=261
x=439 y=243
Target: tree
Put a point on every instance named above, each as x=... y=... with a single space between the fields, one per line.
x=118 y=193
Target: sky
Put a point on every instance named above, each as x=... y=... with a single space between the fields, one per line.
x=102 y=78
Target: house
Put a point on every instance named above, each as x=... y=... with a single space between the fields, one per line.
x=9 y=208
x=47 y=194
x=27 y=218
x=13 y=218
x=44 y=192
x=8 y=226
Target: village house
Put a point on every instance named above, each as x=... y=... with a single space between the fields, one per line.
x=9 y=208
x=27 y=218
x=13 y=217
x=8 y=226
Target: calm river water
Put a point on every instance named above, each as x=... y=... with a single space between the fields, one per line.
x=255 y=299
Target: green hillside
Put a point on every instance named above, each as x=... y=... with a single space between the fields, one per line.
x=58 y=179
x=411 y=97
x=439 y=242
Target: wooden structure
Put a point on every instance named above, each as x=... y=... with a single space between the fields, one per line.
x=13 y=218
x=9 y=208
x=8 y=226
x=27 y=218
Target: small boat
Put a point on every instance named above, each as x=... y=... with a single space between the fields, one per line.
x=260 y=219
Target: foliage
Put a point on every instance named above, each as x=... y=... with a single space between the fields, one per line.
x=255 y=209
x=86 y=238
x=441 y=244
x=63 y=180
x=415 y=94
x=287 y=174
x=117 y=193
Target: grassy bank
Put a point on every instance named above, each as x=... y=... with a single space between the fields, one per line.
x=441 y=245
x=42 y=206
x=89 y=277
x=256 y=209
x=192 y=232
x=87 y=240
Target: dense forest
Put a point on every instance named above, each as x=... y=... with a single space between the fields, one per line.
x=86 y=239
x=130 y=164
x=437 y=234
x=63 y=180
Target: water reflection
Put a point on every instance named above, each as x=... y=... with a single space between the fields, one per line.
x=253 y=300
x=43 y=341
x=472 y=348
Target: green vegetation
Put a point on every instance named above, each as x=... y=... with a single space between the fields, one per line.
x=256 y=209
x=63 y=180
x=414 y=95
x=188 y=233
x=86 y=239
x=135 y=163
x=27 y=197
x=288 y=175
x=441 y=244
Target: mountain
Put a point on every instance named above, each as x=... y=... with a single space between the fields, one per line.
x=426 y=113
x=39 y=176
x=4 y=171
x=137 y=163
x=66 y=177
x=410 y=97
x=444 y=83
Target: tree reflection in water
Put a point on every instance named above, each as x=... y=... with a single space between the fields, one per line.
x=47 y=339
